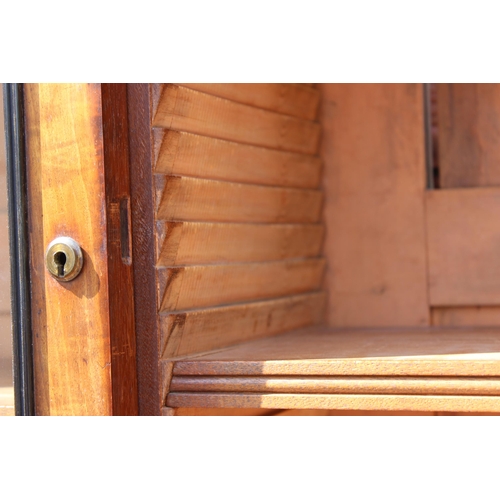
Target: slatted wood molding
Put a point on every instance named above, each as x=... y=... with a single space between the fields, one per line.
x=397 y=402
x=188 y=243
x=193 y=155
x=188 y=110
x=204 y=286
x=478 y=386
x=287 y=98
x=189 y=199
x=207 y=329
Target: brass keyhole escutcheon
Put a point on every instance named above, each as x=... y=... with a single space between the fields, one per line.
x=64 y=258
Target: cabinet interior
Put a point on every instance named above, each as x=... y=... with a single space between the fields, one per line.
x=303 y=260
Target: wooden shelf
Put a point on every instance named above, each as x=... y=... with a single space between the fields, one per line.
x=372 y=369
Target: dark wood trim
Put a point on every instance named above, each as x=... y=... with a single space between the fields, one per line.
x=143 y=244
x=19 y=249
x=120 y=264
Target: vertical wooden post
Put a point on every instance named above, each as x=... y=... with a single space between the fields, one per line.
x=119 y=236
x=78 y=185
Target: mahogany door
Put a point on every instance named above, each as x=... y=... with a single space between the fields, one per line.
x=78 y=186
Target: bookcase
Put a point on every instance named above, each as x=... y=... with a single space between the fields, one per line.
x=305 y=260
x=258 y=249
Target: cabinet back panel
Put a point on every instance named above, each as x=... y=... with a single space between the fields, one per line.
x=374 y=181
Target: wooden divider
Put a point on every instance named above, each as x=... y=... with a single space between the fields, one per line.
x=374 y=182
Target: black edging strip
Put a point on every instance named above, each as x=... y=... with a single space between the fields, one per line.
x=428 y=137
x=19 y=249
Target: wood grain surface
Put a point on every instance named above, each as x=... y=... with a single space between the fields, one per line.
x=208 y=329
x=143 y=248
x=205 y=286
x=188 y=110
x=479 y=386
x=190 y=199
x=463 y=232
x=407 y=352
x=119 y=239
x=374 y=182
x=193 y=155
x=66 y=185
x=380 y=402
x=188 y=243
x=286 y=98
x=469 y=134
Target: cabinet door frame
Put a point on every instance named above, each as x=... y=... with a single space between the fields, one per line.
x=84 y=353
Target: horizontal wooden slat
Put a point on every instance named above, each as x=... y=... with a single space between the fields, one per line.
x=463 y=232
x=188 y=110
x=466 y=316
x=205 y=286
x=188 y=243
x=480 y=386
x=464 y=352
x=208 y=329
x=193 y=155
x=189 y=199
x=217 y=412
x=337 y=401
x=287 y=98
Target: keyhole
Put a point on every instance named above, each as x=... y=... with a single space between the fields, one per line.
x=60 y=260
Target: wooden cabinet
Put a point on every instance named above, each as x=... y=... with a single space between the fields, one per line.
x=284 y=251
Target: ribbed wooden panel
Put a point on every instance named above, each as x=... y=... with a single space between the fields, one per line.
x=238 y=208
x=207 y=329
x=206 y=286
x=290 y=99
x=188 y=243
x=180 y=108
x=182 y=153
x=189 y=199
